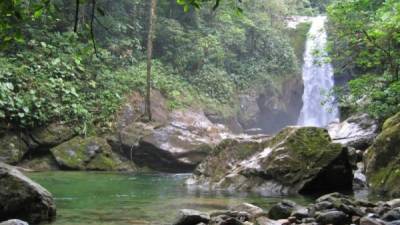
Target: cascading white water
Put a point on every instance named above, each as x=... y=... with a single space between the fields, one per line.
x=318 y=109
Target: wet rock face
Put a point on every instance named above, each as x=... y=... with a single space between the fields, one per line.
x=24 y=199
x=357 y=131
x=382 y=159
x=92 y=153
x=295 y=160
x=178 y=146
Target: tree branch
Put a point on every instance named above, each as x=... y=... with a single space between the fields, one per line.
x=76 y=16
x=91 y=27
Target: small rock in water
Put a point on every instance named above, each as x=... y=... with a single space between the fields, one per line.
x=191 y=217
x=392 y=215
x=14 y=222
x=249 y=208
x=282 y=210
x=333 y=217
x=397 y=222
x=371 y=221
x=224 y=220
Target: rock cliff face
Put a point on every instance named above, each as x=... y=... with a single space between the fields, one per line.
x=382 y=159
x=179 y=145
x=295 y=160
x=358 y=131
x=21 y=198
x=270 y=109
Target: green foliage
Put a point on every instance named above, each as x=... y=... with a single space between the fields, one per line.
x=202 y=57
x=377 y=95
x=366 y=40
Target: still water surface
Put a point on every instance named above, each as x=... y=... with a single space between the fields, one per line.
x=123 y=198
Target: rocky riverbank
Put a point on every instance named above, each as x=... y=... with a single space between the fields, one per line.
x=334 y=209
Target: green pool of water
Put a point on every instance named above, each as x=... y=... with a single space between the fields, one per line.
x=119 y=198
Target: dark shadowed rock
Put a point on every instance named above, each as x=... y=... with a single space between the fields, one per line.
x=392 y=215
x=14 y=222
x=282 y=210
x=397 y=222
x=333 y=217
x=295 y=160
x=191 y=217
x=24 y=199
x=357 y=131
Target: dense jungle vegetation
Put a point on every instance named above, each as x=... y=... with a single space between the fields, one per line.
x=201 y=57
x=205 y=52
x=365 y=48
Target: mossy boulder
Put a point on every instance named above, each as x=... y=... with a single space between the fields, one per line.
x=382 y=159
x=52 y=135
x=21 y=198
x=295 y=160
x=92 y=153
x=44 y=162
x=12 y=148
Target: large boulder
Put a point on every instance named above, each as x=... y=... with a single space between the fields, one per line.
x=178 y=146
x=12 y=148
x=358 y=131
x=51 y=135
x=92 y=153
x=22 y=198
x=295 y=160
x=382 y=159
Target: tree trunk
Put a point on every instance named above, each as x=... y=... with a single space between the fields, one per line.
x=152 y=15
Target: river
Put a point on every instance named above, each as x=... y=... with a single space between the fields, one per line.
x=131 y=198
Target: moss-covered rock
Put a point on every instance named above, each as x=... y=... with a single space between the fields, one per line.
x=21 y=198
x=295 y=160
x=43 y=162
x=52 y=135
x=383 y=159
x=12 y=148
x=91 y=153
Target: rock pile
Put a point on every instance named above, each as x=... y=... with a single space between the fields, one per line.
x=330 y=209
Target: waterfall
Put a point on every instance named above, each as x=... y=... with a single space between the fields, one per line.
x=318 y=108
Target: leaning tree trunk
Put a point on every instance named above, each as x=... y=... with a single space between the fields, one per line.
x=152 y=16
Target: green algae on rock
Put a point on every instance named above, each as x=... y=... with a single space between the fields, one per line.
x=92 y=153
x=382 y=159
x=297 y=159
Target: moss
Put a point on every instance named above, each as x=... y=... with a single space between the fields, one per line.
x=92 y=153
x=298 y=37
x=383 y=159
x=392 y=121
